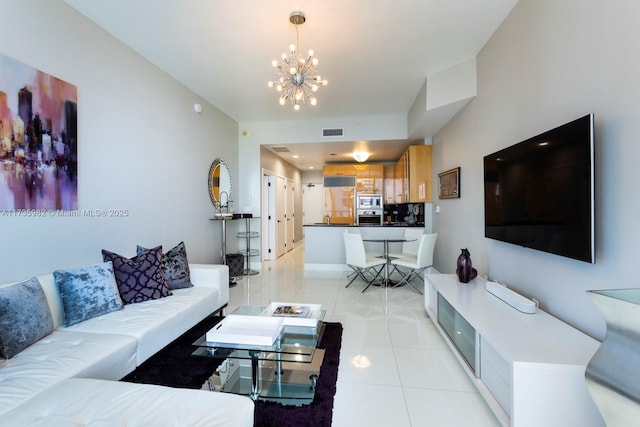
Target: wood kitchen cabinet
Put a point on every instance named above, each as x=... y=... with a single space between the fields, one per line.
x=369 y=178
x=389 y=194
x=338 y=170
x=414 y=173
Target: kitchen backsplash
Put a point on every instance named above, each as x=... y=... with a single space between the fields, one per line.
x=402 y=213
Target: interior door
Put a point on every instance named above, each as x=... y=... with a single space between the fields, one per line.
x=268 y=217
x=312 y=203
x=281 y=233
x=290 y=229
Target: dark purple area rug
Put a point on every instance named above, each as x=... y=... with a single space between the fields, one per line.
x=174 y=366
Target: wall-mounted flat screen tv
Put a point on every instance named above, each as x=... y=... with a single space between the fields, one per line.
x=539 y=193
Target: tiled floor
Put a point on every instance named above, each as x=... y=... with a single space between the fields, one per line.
x=413 y=378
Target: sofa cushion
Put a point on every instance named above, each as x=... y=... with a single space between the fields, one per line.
x=156 y=323
x=63 y=354
x=174 y=266
x=139 y=278
x=87 y=292
x=24 y=317
x=90 y=402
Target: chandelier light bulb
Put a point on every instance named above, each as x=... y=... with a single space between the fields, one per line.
x=297 y=76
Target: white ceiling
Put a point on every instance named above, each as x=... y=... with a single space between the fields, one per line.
x=375 y=54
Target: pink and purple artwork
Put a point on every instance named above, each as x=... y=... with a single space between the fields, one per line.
x=38 y=140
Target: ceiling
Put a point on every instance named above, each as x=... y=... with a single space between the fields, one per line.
x=375 y=54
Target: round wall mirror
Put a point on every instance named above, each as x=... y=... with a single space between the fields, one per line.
x=219 y=183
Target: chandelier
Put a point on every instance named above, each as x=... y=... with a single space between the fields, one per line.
x=360 y=156
x=297 y=79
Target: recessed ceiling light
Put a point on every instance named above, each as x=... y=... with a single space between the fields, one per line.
x=295 y=156
x=311 y=167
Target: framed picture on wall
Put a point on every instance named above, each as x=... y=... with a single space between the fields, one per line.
x=38 y=139
x=449 y=184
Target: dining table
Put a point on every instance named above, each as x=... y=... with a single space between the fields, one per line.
x=387 y=282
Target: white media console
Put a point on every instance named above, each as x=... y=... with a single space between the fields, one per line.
x=529 y=367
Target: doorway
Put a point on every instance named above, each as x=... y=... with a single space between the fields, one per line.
x=312 y=203
x=278 y=221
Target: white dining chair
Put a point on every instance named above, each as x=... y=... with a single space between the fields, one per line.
x=410 y=246
x=417 y=264
x=366 y=267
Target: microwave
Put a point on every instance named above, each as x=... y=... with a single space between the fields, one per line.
x=369 y=201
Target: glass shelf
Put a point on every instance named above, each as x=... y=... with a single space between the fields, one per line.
x=250 y=234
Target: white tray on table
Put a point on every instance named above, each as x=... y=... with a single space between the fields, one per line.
x=247 y=330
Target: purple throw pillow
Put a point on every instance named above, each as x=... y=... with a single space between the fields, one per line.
x=139 y=278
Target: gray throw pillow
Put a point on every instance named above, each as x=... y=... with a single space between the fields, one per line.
x=24 y=317
x=87 y=292
x=175 y=266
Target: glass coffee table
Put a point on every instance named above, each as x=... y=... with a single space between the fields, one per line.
x=273 y=372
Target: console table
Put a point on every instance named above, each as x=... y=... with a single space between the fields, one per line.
x=247 y=235
x=529 y=368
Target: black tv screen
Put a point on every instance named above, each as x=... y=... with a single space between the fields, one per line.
x=539 y=193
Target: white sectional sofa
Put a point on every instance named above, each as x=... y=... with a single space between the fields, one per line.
x=70 y=377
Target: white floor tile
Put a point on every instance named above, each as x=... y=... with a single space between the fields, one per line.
x=369 y=405
x=443 y=408
x=416 y=334
x=366 y=364
x=361 y=331
x=435 y=369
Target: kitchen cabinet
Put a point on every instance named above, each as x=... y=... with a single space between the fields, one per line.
x=338 y=170
x=414 y=169
x=389 y=193
x=369 y=178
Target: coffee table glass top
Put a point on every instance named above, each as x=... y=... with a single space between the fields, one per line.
x=267 y=370
x=294 y=344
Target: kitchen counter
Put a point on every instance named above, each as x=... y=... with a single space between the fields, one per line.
x=392 y=224
x=324 y=244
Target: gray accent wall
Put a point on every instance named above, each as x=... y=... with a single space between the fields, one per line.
x=551 y=62
x=142 y=147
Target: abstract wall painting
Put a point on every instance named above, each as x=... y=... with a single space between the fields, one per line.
x=38 y=140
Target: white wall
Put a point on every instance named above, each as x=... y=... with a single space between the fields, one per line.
x=141 y=147
x=549 y=63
